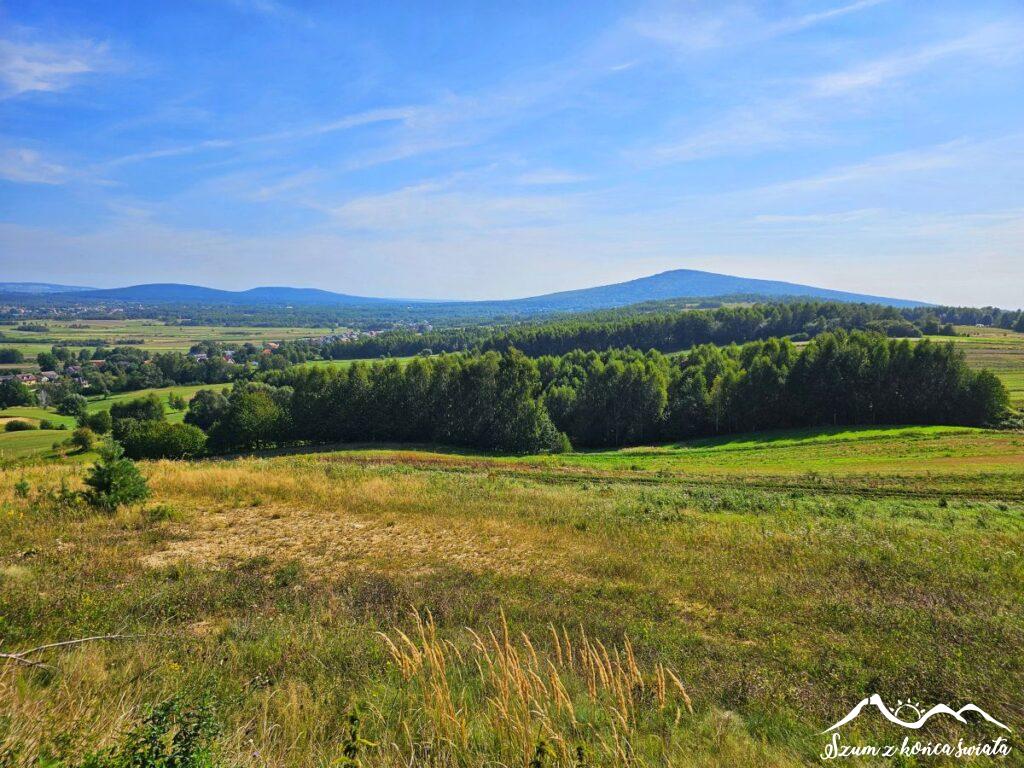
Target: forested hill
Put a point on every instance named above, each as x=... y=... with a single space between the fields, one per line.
x=676 y=284
x=689 y=283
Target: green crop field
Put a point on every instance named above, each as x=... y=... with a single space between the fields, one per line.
x=1001 y=351
x=739 y=595
x=155 y=335
x=347 y=363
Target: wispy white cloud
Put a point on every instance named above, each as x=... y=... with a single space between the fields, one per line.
x=744 y=130
x=348 y=122
x=29 y=167
x=551 y=176
x=801 y=116
x=30 y=65
x=258 y=6
x=692 y=28
x=440 y=207
x=812 y=19
x=814 y=219
x=697 y=27
x=952 y=154
x=989 y=42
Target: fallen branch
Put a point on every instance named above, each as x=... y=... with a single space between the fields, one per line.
x=21 y=657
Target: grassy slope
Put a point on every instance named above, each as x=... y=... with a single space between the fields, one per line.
x=779 y=595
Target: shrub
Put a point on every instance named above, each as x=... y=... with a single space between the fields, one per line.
x=83 y=438
x=47 y=424
x=114 y=480
x=172 y=734
x=99 y=422
x=11 y=355
x=161 y=513
x=148 y=408
x=72 y=405
x=160 y=440
x=206 y=409
x=18 y=426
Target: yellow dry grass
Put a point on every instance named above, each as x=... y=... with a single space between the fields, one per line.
x=534 y=702
x=239 y=510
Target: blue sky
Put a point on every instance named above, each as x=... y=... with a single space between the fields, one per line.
x=486 y=150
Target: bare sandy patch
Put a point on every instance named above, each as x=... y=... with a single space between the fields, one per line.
x=386 y=523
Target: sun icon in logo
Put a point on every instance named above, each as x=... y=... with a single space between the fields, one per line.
x=908 y=711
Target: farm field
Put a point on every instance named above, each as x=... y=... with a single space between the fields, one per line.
x=347 y=363
x=778 y=577
x=156 y=336
x=1001 y=351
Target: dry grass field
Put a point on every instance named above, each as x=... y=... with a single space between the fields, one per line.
x=645 y=607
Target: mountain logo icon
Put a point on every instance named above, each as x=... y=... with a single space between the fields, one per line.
x=913 y=711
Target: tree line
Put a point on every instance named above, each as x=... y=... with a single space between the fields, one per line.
x=667 y=331
x=506 y=401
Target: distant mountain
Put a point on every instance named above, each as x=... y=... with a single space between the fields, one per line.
x=277 y=295
x=178 y=293
x=40 y=288
x=691 y=283
x=680 y=283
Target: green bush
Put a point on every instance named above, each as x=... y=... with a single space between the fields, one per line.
x=72 y=405
x=83 y=438
x=206 y=408
x=114 y=480
x=172 y=734
x=18 y=426
x=99 y=422
x=148 y=408
x=11 y=355
x=161 y=440
x=47 y=424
